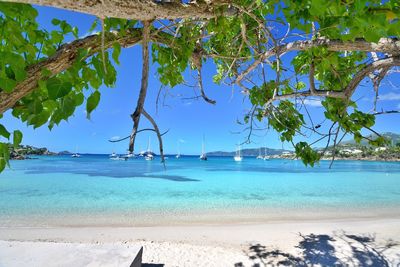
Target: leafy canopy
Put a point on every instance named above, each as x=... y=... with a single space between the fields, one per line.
x=234 y=43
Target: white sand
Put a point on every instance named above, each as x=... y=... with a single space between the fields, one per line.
x=367 y=242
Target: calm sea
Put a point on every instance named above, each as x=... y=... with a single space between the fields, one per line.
x=94 y=190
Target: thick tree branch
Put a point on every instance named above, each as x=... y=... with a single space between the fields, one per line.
x=144 y=84
x=350 y=88
x=143 y=10
x=62 y=60
x=385 y=45
x=382 y=63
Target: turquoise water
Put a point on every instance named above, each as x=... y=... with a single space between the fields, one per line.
x=96 y=190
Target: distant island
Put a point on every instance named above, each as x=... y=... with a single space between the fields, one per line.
x=347 y=150
x=25 y=151
x=251 y=152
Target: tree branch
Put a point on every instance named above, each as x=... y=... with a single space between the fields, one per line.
x=143 y=10
x=144 y=84
x=382 y=63
x=159 y=136
x=62 y=60
x=139 y=131
x=385 y=45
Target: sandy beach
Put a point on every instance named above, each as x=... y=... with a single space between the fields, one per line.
x=367 y=242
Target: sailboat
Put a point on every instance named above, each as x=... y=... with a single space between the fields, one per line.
x=238 y=156
x=203 y=155
x=149 y=153
x=259 y=155
x=129 y=155
x=266 y=157
x=179 y=152
x=76 y=155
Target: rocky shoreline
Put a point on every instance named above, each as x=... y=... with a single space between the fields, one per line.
x=25 y=152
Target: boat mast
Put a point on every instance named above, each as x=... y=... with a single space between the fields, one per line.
x=148 y=145
x=203 y=151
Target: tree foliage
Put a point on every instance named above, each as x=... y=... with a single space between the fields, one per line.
x=335 y=44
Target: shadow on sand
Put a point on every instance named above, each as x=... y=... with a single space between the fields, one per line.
x=325 y=250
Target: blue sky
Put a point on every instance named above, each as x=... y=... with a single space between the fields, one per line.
x=187 y=120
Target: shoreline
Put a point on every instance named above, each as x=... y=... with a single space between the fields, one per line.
x=243 y=216
x=122 y=233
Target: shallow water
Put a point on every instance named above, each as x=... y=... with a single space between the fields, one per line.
x=96 y=190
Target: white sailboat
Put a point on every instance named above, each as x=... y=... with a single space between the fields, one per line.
x=149 y=153
x=259 y=155
x=76 y=155
x=203 y=155
x=129 y=155
x=114 y=156
x=266 y=157
x=179 y=151
x=238 y=156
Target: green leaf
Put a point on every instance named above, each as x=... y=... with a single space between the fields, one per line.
x=92 y=102
x=58 y=88
x=7 y=84
x=4 y=132
x=17 y=138
x=55 y=21
x=116 y=52
x=4 y=156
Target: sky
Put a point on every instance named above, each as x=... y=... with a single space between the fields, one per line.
x=186 y=119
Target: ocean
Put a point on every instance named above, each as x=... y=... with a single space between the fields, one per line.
x=94 y=190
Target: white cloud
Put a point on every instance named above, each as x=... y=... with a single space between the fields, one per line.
x=311 y=102
x=390 y=96
x=114 y=138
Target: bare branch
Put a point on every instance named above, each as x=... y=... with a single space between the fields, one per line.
x=382 y=63
x=144 y=84
x=139 y=131
x=196 y=60
x=159 y=136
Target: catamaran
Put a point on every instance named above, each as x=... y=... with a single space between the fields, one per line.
x=238 y=156
x=76 y=155
x=203 y=155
